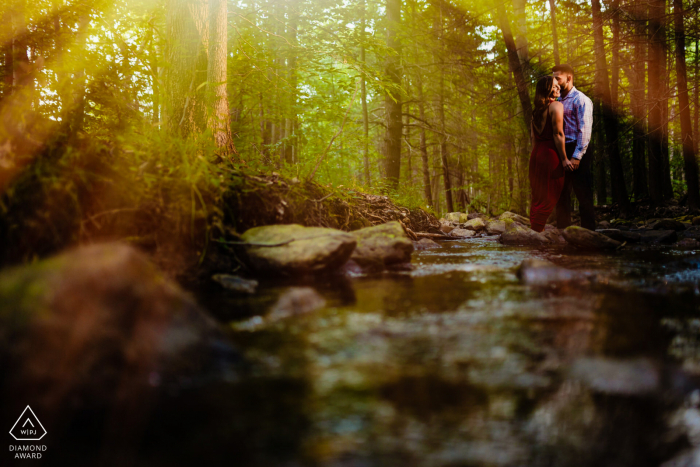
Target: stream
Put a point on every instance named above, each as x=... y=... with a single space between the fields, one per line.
x=456 y=363
x=453 y=363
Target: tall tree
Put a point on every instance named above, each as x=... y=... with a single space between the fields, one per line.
x=515 y=66
x=363 y=96
x=444 y=157
x=657 y=51
x=392 y=97
x=187 y=34
x=555 y=39
x=690 y=162
x=521 y=32
x=638 y=81
x=610 y=118
x=217 y=79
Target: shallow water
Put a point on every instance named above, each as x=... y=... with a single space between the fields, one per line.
x=458 y=364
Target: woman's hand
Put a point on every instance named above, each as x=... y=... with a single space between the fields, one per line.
x=567 y=165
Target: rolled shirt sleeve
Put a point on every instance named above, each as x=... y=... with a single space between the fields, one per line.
x=584 y=114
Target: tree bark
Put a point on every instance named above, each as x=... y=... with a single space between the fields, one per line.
x=363 y=90
x=599 y=144
x=187 y=37
x=423 y=146
x=553 y=15
x=392 y=97
x=8 y=49
x=656 y=53
x=291 y=120
x=218 y=121
x=610 y=118
x=615 y=72
x=690 y=163
x=443 y=144
x=515 y=67
x=639 y=169
x=521 y=32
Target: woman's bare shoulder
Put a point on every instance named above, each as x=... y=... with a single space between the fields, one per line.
x=556 y=106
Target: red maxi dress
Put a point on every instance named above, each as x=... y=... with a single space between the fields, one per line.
x=546 y=176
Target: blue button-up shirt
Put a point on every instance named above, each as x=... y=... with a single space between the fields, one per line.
x=578 y=120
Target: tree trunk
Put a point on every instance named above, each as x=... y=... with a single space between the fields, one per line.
x=690 y=163
x=155 y=78
x=553 y=14
x=521 y=32
x=599 y=144
x=696 y=94
x=218 y=121
x=291 y=121
x=639 y=169
x=515 y=67
x=392 y=98
x=609 y=117
x=665 y=70
x=423 y=146
x=656 y=53
x=365 y=113
x=615 y=72
x=187 y=36
x=443 y=145
x=8 y=49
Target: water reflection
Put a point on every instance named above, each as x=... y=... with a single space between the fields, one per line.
x=457 y=363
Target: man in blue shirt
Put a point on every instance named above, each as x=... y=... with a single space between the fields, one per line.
x=578 y=126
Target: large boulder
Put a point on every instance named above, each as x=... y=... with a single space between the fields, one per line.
x=517 y=234
x=622 y=235
x=453 y=217
x=588 y=239
x=554 y=236
x=668 y=224
x=496 y=227
x=291 y=249
x=476 y=225
x=665 y=237
x=100 y=327
x=426 y=244
x=446 y=228
x=382 y=245
x=516 y=217
x=462 y=233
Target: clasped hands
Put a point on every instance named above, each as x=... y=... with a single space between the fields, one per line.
x=570 y=164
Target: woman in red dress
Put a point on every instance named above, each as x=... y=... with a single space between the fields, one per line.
x=548 y=158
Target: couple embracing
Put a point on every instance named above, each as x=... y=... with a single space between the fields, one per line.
x=561 y=126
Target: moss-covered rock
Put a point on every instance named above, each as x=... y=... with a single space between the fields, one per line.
x=100 y=325
x=453 y=217
x=382 y=245
x=290 y=249
x=588 y=239
x=476 y=225
x=462 y=233
x=516 y=217
x=495 y=227
x=517 y=234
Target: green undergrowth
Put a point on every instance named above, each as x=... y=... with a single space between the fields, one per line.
x=176 y=199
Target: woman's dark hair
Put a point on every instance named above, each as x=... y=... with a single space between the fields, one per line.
x=542 y=92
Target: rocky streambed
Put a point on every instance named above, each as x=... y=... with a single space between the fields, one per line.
x=478 y=353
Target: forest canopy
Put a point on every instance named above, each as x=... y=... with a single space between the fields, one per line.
x=427 y=101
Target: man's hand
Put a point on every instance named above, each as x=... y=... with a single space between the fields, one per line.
x=566 y=163
x=575 y=163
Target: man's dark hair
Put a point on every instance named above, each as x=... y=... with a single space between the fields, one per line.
x=563 y=68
